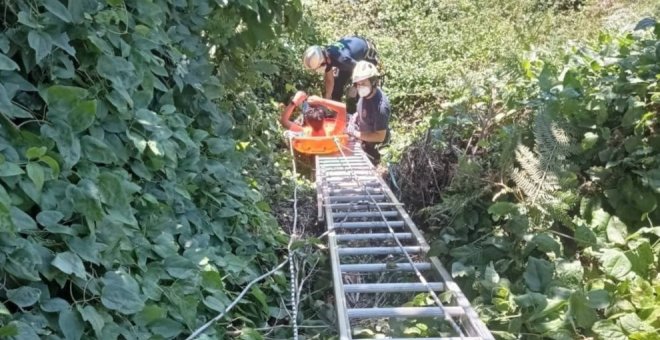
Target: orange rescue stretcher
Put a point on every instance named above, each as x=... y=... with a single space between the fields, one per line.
x=319 y=145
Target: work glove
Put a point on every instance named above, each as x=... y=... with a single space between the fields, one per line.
x=288 y=134
x=299 y=97
x=351 y=129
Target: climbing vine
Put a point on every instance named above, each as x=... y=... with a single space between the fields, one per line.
x=125 y=210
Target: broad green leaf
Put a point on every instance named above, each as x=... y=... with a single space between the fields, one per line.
x=7 y=64
x=70 y=263
x=167 y=328
x=538 y=274
x=581 y=312
x=616 y=231
x=22 y=221
x=149 y=314
x=71 y=325
x=585 y=237
x=36 y=173
x=67 y=143
x=86 y=199
x=606 y=329
x=41 y=43
x=82 y=115
x=121 y=292
x=179 y=267
x=8 y=330
x=8 y=169
x=25 y=331
x=112 y=190
x=598 y=298
x=547 y=244
x=34 y=152
x=26 y=19
x=86 y=248
x=62 y=41
x=24 y=296
x=97 y=150
x=92 y=316
x=48 y=218
x=615 y=263
x=56 y=7
x=4 y=310
x=55 y=305
x=54 y=166
x=631 y=323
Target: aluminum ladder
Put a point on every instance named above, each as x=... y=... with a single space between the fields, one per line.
x=363 y=219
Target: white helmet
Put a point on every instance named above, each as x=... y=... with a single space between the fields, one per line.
x=364 y=70
x=313 y=57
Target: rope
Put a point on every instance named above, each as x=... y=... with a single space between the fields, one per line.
x=292 y=270
x=421 y=278
x=203 y=328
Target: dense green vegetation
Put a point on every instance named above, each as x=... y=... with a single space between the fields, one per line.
x=127 y=128
x=139 y=162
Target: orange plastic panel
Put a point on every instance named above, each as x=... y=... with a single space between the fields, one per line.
x=318 y=145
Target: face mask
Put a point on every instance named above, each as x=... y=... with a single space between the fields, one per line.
x=364 y=91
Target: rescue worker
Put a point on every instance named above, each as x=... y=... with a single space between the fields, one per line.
x=370 y=124
x=315 y=122
x=337 y=61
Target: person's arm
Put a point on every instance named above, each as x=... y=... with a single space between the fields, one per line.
x=375 y=136
x=338 y=107
x=329 y=79
x=285 y=117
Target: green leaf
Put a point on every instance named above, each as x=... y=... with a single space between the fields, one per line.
x=4 y=310
x=167 y=328
x=55 y=305
x=70 y=263
x=631 y=323
x=583 y=315
x=41 y=43
x=149 y=314
x=34 y=152
x=26 y=19
x=48 y=218
x=8 y=330
x=121 y=292
x=71 y=325
x=7 y=64
x=112 y=190
x=86 y=199
x=97 y=150
x=616 y=231
x=21 y=220
x=54 y=166
x=24 y=296
x=598 y=298
x=608 y=330
x=584 y=236
x=36 y=173
x=95 y=319
x=615 y=263
x=179 y=267
x=538 y=274
x=67 y=143
x=56 y=7
x=82 y=115
x=8 y=169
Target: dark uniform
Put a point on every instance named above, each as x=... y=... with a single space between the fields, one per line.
x=343 y=55
x=373 y=114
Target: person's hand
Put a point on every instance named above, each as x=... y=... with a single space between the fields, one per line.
x=299 y=97
x=313 y=99
x=292 y=134
x=352 y=131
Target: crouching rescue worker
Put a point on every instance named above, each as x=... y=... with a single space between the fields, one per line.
x=370 y=124
x=337 y=61
x=315 y=122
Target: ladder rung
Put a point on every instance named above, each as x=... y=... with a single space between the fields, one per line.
x=360 y=225
x=449 y=338
x=361 y=313
x=354 y=185
x=381 y=267
x=374 y=236
x=349 y=178
x=377 y=250
x=392 y=287
x=355 y=191
x=356 y=197
x=365 y=214
x=361 y=205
